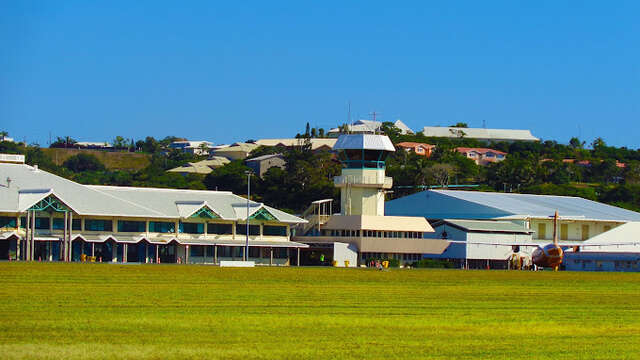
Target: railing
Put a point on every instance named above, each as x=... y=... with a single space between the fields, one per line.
x=363 y=164
x=384 y=181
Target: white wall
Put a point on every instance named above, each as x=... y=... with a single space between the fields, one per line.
x=344 y=251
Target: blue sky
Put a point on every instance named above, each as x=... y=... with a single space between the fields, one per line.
x=231 y=71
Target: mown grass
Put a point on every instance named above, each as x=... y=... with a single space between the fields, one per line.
x=172 y=311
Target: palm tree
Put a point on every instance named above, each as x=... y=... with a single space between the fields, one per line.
x=3 y=134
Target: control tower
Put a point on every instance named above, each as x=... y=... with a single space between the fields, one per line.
x=363 y=181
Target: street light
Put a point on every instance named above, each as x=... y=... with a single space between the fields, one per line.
x=246 y=245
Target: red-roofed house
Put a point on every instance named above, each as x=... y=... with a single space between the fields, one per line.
x=418 y=148
x=482 y=156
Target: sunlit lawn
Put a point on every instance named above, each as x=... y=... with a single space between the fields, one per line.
x=177 y=311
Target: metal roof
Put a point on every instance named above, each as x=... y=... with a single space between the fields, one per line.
x=479 y=133
x=458 y=204
x=363 y=141
x=485 y=226
x=28 y=186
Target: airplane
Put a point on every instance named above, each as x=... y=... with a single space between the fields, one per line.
x=550 y=255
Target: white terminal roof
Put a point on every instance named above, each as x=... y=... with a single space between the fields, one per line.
x=29 y=185
x=363 y=141
x=479 y=133
x=456 y=204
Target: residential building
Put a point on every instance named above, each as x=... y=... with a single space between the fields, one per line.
x=203 y=167
x=261 y=164
x=93 y=145
x=49 y=218
x=237 y=151
x=481 y=134
x=368 y=127
x=482 y=156
x=421 y=149
x=193 y=147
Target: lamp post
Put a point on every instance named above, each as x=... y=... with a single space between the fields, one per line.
x=246 y=245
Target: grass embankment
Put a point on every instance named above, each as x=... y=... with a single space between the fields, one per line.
x=111 y=160
x=171 y=311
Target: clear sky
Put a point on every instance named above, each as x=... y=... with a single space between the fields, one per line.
x=228 y=71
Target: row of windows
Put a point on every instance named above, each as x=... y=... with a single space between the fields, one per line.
x=380 y=256
x=374 y=233
x=236 y=251
x=42 y=223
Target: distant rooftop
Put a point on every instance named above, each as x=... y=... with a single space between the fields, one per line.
x=479 y=133
x=458 y=204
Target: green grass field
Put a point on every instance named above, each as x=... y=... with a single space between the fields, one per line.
x=177 y=311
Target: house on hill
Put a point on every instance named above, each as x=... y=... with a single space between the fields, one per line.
x=482 y=156
x=368 y=127
x=421 y=149
x=193 y=147
x=261 y=164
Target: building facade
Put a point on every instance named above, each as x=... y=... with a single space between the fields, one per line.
x=44 y=217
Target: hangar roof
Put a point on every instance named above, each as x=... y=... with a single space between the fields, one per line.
x=457 y=204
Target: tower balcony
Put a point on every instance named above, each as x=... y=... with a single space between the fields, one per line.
x=373 y=181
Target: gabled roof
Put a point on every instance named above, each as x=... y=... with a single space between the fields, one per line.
x=411 y=144
x=83 y=199
x=265 y=157
x=457 y=204
x=370 y=126
x=28 y=186
x=245 y=147
x=479 y=150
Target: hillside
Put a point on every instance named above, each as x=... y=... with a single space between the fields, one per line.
x=111 y=160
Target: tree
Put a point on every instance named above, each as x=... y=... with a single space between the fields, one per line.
x=460 y=125
x=314 y=132
x=119 y=142
x=321 y=132
x=3 y=135
x=442 y=174
x=83 y=162
x=64 y=142
x=230 y=177
x=306 y=131
x=204 y=149
x=391 y=130
x=576 y=144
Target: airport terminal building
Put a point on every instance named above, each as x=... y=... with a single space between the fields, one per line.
x=44 y=217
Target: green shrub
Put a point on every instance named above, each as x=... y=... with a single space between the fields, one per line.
x=434 y=264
